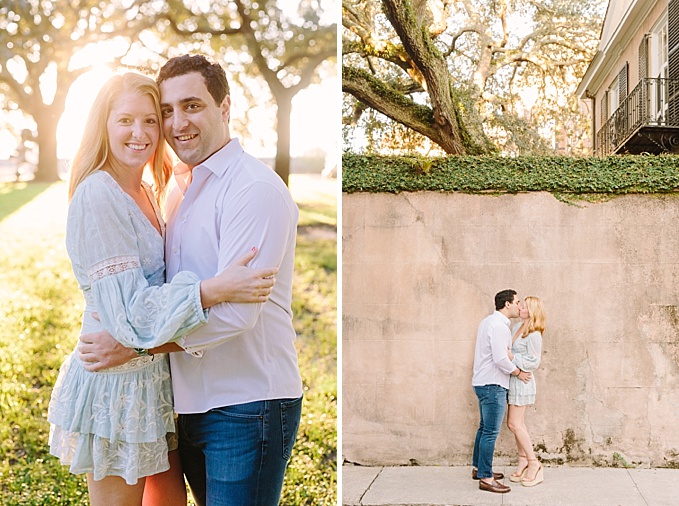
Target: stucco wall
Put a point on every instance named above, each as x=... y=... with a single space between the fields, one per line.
x=420 y=271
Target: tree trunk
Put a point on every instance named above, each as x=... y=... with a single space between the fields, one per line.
x=47 y=144
x=432 y=65
x=282 y=163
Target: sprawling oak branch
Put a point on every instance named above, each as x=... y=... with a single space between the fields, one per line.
x=471 y=62
x=393 y=104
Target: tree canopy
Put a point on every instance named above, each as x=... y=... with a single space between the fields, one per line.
x=39 y=38
x=37 y=41
x=287 y=50
x=470 y=77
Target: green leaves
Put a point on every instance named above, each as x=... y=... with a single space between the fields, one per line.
x=39 y=325
x=615 y=175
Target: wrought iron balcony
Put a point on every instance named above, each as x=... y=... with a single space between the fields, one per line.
x=647 y=121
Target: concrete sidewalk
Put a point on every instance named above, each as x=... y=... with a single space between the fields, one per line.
x=453 y=486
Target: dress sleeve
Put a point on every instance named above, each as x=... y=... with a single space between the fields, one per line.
x=530 y=360
x=104 y=245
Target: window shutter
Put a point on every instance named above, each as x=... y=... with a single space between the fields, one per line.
x=622 y=83
x=643 y=58
x=673 y=38
x=673 y=58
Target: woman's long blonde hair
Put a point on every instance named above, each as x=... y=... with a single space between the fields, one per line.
x=536 y=315
x=94 y=150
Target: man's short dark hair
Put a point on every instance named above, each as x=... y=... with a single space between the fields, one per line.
x=213 y=74
x=503 y=297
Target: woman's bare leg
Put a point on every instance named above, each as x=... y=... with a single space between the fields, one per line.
x=516 y=423
x=168 y=488
x=114 y=491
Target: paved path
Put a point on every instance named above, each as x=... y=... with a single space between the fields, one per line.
x=453 y=486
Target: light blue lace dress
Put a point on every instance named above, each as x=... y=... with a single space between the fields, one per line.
x=527 y=352
x=114 y=422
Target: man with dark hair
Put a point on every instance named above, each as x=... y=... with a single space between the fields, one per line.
x=503 y=298
x=236 y=382
x=239 y=404
x=492 y=368
x=213 y=75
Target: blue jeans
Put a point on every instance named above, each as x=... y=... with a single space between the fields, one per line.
x=492 y=406
x=236 y=455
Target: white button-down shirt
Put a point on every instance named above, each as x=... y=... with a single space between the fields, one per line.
x=245 y=352
x=491 y=364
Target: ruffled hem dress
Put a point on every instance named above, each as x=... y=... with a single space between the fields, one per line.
x=116 y=422
x=527 y=352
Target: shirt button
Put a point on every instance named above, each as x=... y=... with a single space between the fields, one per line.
x=174 y=250
x=183 y=219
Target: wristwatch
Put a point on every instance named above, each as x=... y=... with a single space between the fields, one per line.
x=141 y=352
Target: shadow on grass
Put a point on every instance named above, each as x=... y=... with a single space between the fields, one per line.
x=14 y=195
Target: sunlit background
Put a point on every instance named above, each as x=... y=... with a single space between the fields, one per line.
x=315 y=109
x=314 y=112
x=287 y=58
x=310 y=114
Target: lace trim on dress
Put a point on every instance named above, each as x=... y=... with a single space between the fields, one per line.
x=133 y=364
x=112 y=266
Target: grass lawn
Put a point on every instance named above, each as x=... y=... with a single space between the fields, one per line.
x=39 y=323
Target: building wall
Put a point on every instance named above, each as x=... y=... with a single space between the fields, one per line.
x=420 y=271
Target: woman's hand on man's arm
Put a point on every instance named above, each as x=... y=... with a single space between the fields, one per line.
x=239 y=283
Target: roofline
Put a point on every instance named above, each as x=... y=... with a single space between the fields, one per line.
x=604 y=58
x=583 y=88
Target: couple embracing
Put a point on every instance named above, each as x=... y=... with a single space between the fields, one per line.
x=504 y=361
x=198 y=294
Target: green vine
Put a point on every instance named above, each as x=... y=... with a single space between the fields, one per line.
x=565 y=177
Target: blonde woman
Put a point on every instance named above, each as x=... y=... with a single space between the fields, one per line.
x=525 y=354
x=113 y=425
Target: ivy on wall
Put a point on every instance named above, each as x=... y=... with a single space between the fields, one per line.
x=565 y=177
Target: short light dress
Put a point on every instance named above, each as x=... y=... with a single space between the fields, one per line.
x=527 y=352
x=115 y=422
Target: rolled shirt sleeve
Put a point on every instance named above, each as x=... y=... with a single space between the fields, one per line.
x=259 y=216
x=498 y=344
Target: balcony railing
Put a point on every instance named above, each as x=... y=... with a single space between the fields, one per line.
x=654 y=102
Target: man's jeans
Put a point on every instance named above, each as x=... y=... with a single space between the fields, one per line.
x=236 y=455
x=492 y=406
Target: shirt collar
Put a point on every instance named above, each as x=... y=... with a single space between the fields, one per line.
x=218 y=162
x=506 y=320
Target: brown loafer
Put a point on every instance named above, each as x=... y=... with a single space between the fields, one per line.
x=494 y=486
x=496 y=476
